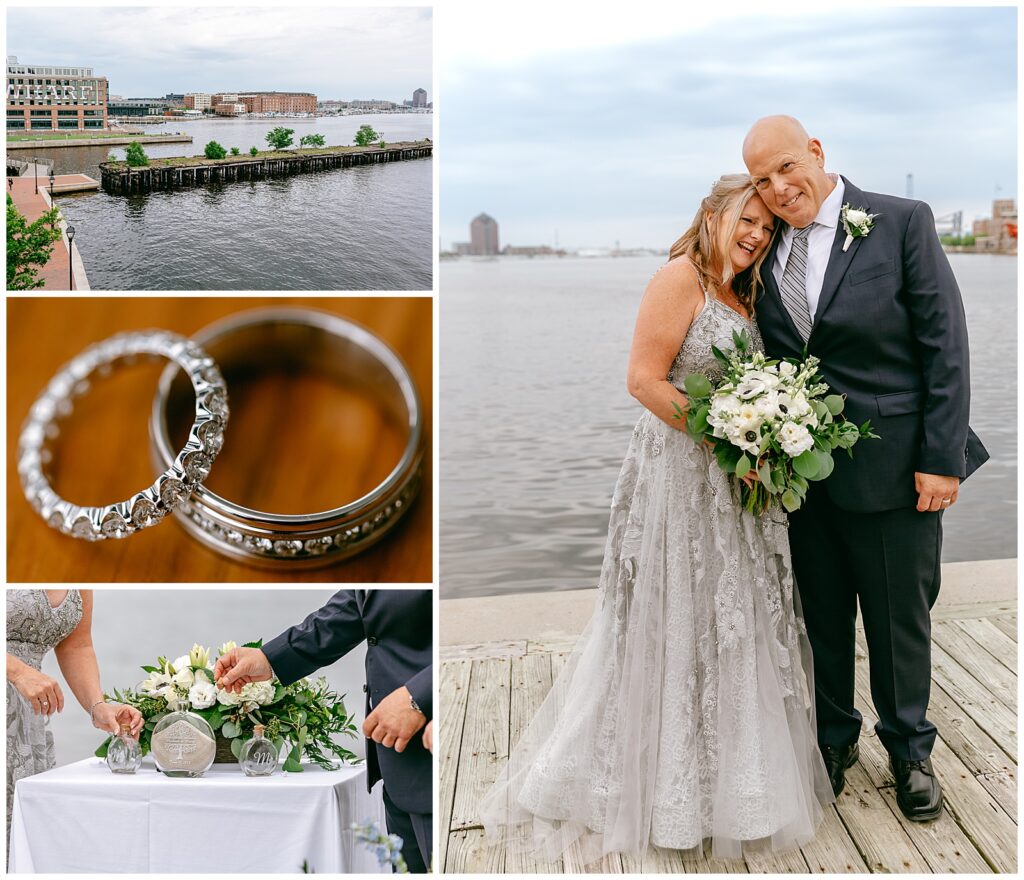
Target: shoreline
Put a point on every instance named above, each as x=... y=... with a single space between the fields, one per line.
x=564 y=613
x=44 y=144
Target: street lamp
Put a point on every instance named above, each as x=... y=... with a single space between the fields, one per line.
x=35 y=168
x=51 y=187
x=71 y=259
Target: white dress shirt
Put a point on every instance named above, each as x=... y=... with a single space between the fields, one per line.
x=819 y=244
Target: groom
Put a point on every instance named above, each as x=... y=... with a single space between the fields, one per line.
x=397 y=628
x=884 y=315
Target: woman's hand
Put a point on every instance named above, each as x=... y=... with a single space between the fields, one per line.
x=42 y=692
x=749 y=479
x=110 y=717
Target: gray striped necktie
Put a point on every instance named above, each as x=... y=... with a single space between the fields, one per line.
x=793 y=287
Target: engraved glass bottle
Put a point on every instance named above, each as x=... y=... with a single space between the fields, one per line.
x=123 y=753
x=259 y=755
x=183 y=744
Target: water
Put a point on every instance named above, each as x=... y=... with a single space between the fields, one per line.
x=537 y=417
x=132 y=628
x=365 y=228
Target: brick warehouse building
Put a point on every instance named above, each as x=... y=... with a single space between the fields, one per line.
x=269 y=102
x=52 y=98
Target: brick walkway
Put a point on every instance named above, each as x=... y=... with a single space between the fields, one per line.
x=55 y=274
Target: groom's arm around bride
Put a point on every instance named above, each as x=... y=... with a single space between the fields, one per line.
x=397 y=628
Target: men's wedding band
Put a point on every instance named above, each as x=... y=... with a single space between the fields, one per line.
x=182 y=472
x=264 y=339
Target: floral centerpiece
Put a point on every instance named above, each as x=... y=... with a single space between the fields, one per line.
x=771 y=421
x=306 y=714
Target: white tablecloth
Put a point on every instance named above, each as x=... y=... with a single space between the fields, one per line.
x=83 y=818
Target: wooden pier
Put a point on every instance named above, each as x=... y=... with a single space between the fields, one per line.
x=489 y=692
x=117 y=178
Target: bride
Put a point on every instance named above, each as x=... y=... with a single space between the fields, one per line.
x=684 y=714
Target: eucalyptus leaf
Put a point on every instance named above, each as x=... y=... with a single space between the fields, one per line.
x=790 y=500
x=806 y=464
x=743 y=466
x=764 y=474
x=697 y=385
x=236 y=747
x=826 y=464
x=230 y=729
x=835 y=404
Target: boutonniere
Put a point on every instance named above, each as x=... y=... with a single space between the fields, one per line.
x=857 y=223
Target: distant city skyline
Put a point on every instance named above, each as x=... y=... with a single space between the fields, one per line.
x=337 y=53
x=612 y=128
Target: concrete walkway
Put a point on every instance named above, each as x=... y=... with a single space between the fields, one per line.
x=561 y=613
x=55 y=274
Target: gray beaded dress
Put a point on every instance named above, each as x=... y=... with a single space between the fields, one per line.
x=34 y=628
x=685 y=712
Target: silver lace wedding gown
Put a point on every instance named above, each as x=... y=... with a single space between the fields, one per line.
x=685 y=712
x=34 y=628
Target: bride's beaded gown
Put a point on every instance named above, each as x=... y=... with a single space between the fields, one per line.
x=34 y=628
x=685 y=712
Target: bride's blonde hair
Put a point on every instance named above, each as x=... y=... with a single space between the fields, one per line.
x=699 y=243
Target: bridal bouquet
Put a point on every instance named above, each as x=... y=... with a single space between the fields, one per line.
x=775 y=418
x=305 y=714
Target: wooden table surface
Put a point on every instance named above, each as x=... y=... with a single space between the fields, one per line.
x=293 y=443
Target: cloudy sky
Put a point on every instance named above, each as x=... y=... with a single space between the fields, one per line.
x=149 y=51
x=608 y=127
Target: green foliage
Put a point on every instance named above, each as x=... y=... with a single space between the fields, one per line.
x=312 y=140
x=135 y=156
x=235 y=151
x=366 y=136
x=213 y=150
x=280 y=138
x=958 y=240
x=29 y=246
x=382 y=145
x=253 y=151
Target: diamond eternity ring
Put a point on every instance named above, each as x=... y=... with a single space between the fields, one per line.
x=182 y=472
x=286 y=339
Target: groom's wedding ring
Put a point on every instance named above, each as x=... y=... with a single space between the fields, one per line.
x=182 y=472
x=289 y=338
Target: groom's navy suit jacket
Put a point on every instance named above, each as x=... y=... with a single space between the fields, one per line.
x=891 y=335
x=398 y=630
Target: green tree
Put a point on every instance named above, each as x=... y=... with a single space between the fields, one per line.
x=280 y=138
x=311 y=140
x=214 y=150
x=135 y=156
x=366 y=136
x=253 y=151
x=29 y=246
x=235 y=151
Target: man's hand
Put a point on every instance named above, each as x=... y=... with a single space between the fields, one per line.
x=935 y=492
x=239 y=666
x=393 y=721
x=428 y=737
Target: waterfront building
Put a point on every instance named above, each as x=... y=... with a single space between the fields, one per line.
x=53 y=97
x=483 y=235
x=198 y=101
x=372 y=104
x=122 y=107
x=419 y=98
x=999 y=232
x=462 y=248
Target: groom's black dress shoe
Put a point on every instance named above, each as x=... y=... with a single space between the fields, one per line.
x=918 y=792
x=838 y=759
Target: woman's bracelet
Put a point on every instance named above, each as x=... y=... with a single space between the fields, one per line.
x=92 y=709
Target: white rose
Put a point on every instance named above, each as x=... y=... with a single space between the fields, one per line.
x=202 y=695
x=181 y=663
x=767 y=406
x=855 y=217
x=227 y=698
x=786 y=369
x=795 y=439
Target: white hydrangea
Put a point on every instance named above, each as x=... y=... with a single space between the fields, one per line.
x=202 y=695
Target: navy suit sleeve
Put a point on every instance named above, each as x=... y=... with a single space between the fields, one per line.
x=319 y=640
x=421 y=686
x=940 y=329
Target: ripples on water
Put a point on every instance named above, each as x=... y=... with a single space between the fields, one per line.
x=537 y=417
x=364 y=228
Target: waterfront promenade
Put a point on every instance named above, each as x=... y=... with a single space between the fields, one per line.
x=32 y=205
x=499 y=656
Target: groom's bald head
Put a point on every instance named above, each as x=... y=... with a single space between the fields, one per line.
x=788 y=168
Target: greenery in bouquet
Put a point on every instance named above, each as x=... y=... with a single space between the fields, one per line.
x=305 y=715
x=769 y=419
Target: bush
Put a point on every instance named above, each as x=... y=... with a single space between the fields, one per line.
x=311 y=140
x=235 y=151
x=214 y=151
x=135 y=156
x=29 y=246
x=366 y=136
x=253 y=151
x=279 y=137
